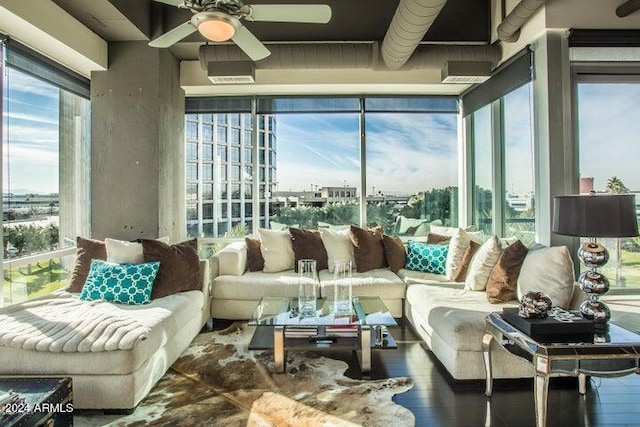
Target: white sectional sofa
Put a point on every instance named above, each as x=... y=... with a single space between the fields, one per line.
x=447 y=317
x=235 y=292
x=117 y=379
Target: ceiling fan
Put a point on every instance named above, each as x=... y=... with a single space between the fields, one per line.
x=219 y=20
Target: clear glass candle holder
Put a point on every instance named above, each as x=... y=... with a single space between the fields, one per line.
x=342 y=288
x=307 y=287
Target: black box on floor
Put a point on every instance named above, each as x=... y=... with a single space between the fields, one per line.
x=550 y=329
x=38 y=401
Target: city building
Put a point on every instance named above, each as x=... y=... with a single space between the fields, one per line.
x=221 y=169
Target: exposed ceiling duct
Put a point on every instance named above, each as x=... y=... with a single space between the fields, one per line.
x=410 y=23
x=350 y=56
x=509 y=28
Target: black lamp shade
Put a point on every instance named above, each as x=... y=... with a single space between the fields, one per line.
x=610 y=215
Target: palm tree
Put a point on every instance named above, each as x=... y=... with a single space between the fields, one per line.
x=616 y=186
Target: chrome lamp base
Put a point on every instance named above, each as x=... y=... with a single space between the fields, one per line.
x=594 y=284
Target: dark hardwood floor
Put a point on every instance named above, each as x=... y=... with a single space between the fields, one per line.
x=436 y=400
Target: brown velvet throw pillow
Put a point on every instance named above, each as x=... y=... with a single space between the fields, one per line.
x=368 y=249
x=394 y=252
x=179 y=266
x=255 y=261
x=471 y=250
x=307 y=244
x=88 y=249
x=438 y=239
x=503 y=280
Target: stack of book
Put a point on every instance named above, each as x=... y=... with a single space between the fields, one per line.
x=300 y=331
x=342 y=330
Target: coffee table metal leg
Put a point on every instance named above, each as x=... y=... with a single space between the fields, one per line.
x=278 y=348
x=486 y=355
x=365 y=349
x=541 y=389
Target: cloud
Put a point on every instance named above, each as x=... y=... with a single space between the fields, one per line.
x=406 y=153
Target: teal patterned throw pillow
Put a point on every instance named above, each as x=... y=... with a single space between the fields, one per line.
x=426 y=257
x=121 y=283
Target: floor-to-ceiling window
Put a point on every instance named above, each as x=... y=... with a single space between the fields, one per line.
x=517 y=152
x=304 y=167
x=501 y=135
x=482 y=170
x=411 y=163
x=608 y=129
x=45 y=152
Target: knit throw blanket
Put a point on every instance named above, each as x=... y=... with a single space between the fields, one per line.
x=61 y=323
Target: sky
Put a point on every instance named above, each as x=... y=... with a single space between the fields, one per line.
x=406 y=153
x=609 y=132
x=30 y=140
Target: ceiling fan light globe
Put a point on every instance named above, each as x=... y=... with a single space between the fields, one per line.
x=215 y=26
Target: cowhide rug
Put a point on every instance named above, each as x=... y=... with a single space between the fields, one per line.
x=218 y=382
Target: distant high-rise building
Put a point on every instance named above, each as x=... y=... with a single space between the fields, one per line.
x=220 y=171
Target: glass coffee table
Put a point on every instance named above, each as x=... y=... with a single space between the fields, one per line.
x=611 y=354
x=280 y=328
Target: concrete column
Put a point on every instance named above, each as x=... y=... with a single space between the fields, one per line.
x=137 y=153
x=556 y=169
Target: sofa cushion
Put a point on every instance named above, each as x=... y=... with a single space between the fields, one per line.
x=482 y=264
x=255 y=261
x=368 y=248
x=179 y=266
x=456 y=315
x=88 y=249
x=503 y=280
x=253 y=286
x=438 y=239
x=426 y=257
x=123 y=252
x=164 y=317
x=338 y=245
x=469 y=253
x=550 y=271
x=458 y=245
x=120 y=283
x=417 y=277
x=277 y=250
x=307 y=244
x=394 y=252
x=380 y=282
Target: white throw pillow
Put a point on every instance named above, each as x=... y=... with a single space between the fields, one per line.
x=277 y=250
x=550 y=271
x=338 y=245
x=457 y=246
x=123 y=252
x=482 y=264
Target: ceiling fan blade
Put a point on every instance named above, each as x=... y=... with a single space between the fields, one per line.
x=310 y=13
x=175 y=3
x=173 y=36
x=250 y=44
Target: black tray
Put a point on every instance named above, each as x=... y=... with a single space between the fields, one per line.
x=550 y=329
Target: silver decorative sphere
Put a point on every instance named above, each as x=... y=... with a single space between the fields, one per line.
x=593 y=254
x=593 y=282
x=595 y=310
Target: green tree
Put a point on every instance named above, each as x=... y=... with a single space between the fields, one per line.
x=616 y=186
x=341 y=213
x=380 y=214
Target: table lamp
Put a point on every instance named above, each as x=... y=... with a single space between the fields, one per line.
x=593 y=216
